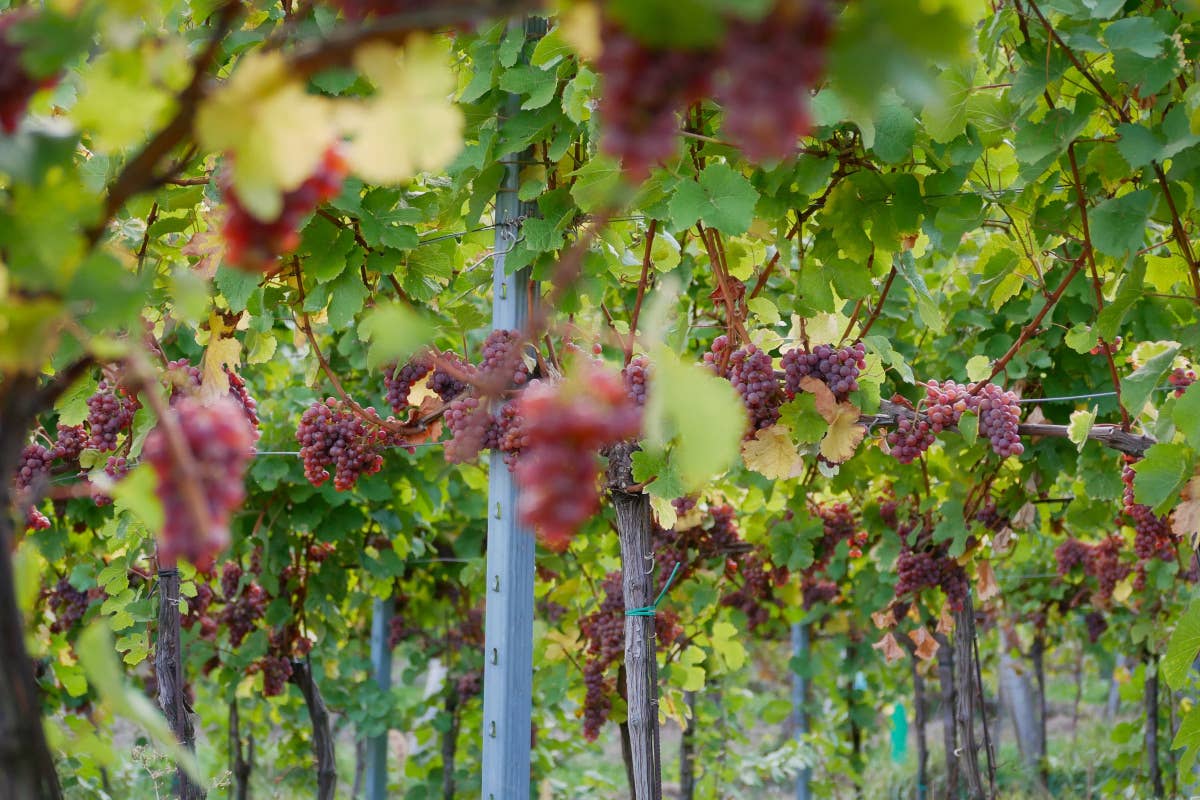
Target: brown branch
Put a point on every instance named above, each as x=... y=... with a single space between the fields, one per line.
x=641 y=291
x=139 y=171
x=883 y=295
x=1185 y=247
x=1089 y=252
x=1028 y=331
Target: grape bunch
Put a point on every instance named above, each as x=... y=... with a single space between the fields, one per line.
x=276 y=671
x=990 y=516
x=1105 y=565
x=218 y=439
x=838 y=368
x=110 y=413
x=332 y=435
x=237 y=389
x=182 y=378
x=999 y=417
x=926 y=568
x=1153 y=537
x=597 y=700
x=636 y=375
x=68 y=605
x=1181 y=378
x=604 y=630
x=1071 y=554
x=1109 y=348
x=838 y=524
x=753 y=376
x=717 y=355
x=945 y=404
x=399 y=381
x=511 y=439
x=115 y=468
x=243 y=610
x=755 y=595
x=1096 y=625
x=443 y=382
x=644 y=91
x=255 y=244
x=767 y=72
x=69 y=442
x=565 y=424
x=911 y=437
x=33 y=469
x=818 y=591
x=502 y=365
x=17 y=85
x=471 y=428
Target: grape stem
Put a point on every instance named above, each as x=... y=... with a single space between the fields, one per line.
x=641 y=291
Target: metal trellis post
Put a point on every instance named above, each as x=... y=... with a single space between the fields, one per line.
x=799 y=704
x=508 y=623
x=381 y=663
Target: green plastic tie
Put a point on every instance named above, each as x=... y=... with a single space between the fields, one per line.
x=649 y=611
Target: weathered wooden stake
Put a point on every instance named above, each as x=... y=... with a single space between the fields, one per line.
x=168 y=669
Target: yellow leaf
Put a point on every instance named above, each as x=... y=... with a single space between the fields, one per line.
x=560 y=644
x=221 y=352
x=580 y=26
x=664 y=512
x=275 y=130
x=1186 y=519
x=889 y=647
x=410 y=124
x=1123 y=590
x=826 y=404
x=844 y=436
x=772 y=454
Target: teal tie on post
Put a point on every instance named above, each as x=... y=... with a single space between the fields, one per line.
x=899 y=734
x=648 y=611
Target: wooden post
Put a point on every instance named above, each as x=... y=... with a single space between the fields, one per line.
x=508 y=623
x=946 y=679
x=641 y=659
x=965 y=708
x=800 y=645
x=381 y=662
x=318 y=715
x=168 y=669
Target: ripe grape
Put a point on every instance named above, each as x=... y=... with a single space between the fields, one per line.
x=1071 y=554
x=182 y=378
x=945 y=404
x=1105 y=566
x=255 y=244
x=469 y=423
x=990 y=516
x=502 y=364
x=70 y=442
x=68 y=604
x=818 y=591
x=644 y=90
x=1096 y=625
x=110 y=413
x=443 y=383
x=218 y=439
x=566 y=423
x=753 y=375
x=597 y=702
x=636 y=374
x=399 y=382
x=276 y=670
x=999 y=416
x=925 y=568
x=1181 y=378
x=755 y=596
x=116 y=468
x=242 y=613
x=512 y=440
x=33 y=469
x=768 y=70
x=909 y=439
x=237 y=388
x=837 y=368
x=332 y=435
x=717 y=352
x=1109 y=347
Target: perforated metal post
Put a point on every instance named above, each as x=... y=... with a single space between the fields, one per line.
x=508 y=622
x=799 y=703
x=381 y=663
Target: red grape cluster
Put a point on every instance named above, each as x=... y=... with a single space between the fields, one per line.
x=999 y=416
x=243 y=610
x=1106 y=347
x=1071 y=554
x=637 y=374
x=471 y=428
x=644 y=91
x=1153 y=538
x=110 y=413
x=990 y=516
x=116 y=468
x=33 y=469
x=443 y=381
x=68 y=605
x=502 y=365
x=255 y=244
x=910 y=438
x=1105 y=565
x=836 y=367
x=182 y=378
x=839 y=524
x=1096 y=625
x=511 y=440
x=399 y=381
x=565 y=425
x=817 y=590
x=755 y=596
x=768 y=70
x=597 y=700
x=469 y=685
x=237 y=388
x=218 y=439
x=69 y=442
x=17 y=85
x=717 y=355
x=332 y=435
x=925 y=568
x=1181 y=378
x=753 y=375
x=276 y=671
x=945 y=404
